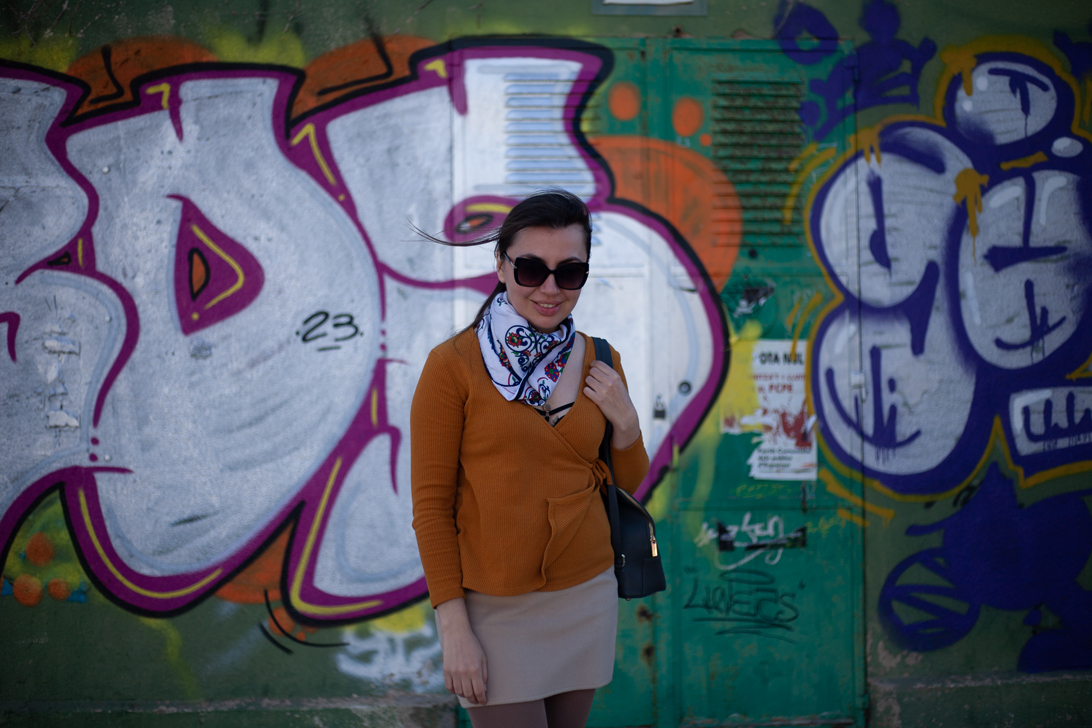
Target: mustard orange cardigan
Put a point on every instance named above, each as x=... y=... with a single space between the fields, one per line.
x=503 y=503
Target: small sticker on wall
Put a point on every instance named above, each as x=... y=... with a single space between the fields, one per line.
x=786 y=446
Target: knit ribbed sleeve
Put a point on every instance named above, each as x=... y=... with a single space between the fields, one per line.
x=436 y=428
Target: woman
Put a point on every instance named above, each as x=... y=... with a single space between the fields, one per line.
x=506 y=425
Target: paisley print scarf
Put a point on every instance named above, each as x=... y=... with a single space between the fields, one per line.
x=523 y=363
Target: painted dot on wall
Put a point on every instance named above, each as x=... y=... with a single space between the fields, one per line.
x=27 y=590
x=624 y=100
x=705 y=140
x=687 y=116
x=59 y=589
x=93 y=457
x=40 y=549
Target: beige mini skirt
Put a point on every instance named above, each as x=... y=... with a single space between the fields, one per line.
x=546 y=642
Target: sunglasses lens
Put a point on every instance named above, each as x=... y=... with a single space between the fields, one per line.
x=531 y=272
x=571 y=275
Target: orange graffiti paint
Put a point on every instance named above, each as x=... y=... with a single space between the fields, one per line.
x=685 y=188
x=27 y=590
x=110 y=70
x=353 y=67
x=687 y=116
x=280 y=617
x=263 y=574
x=59 y=589
x=40 y=549
x=624 y=100
x=705 y=140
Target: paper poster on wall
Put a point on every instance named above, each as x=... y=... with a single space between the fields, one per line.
x=786 y=447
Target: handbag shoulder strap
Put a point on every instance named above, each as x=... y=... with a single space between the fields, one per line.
x=602 y=353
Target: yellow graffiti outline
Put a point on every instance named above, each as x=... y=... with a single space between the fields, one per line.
x=868 y=141
x=308 y=547
x=79 y=251
x=438 y=66
x=162 y=88
x=798 y=182
x=375 y=407
x=968 y=185
x=1087 y=100
x=837 y=489
x=792 y=313
x=852 y=517
x=814 y=303
x=489 y=207
x=804 y=154
x=230 y=261
x=86 y=513
x=1082 y=372
x=309 y=132
x=986 y=44
x=1029 y=161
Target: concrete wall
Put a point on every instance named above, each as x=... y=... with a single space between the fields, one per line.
x=215 y=309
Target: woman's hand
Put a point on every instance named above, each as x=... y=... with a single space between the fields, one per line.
x=465 y=671
x=605 y=388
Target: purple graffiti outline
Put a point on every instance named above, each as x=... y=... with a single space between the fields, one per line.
x=178 y=592
x=11 y=320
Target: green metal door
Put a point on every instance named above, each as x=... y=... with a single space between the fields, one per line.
x=766 y=568
x=762 y=620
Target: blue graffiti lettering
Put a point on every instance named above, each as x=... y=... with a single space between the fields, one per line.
x=1040 y=325
x=1051 y=430
x=883 y=435
x=876 y=66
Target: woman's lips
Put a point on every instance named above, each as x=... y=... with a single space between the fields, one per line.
x=546 y=310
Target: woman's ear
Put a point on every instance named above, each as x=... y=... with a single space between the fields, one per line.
x=500 y=269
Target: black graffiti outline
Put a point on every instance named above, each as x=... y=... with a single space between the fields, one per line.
x=283 y=631
x=350 y=322
x=118 y=92
x=381 y=49
x=720 y=603
x=307 y=338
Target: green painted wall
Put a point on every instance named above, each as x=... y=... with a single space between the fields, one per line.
x=900 y=197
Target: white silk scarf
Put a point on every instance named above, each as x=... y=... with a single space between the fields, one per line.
x=523 y=363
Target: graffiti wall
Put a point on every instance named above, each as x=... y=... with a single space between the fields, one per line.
x=956 y=244
x=239 y=307
x=845 y=257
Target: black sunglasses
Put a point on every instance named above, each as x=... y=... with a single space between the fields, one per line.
x=532 y=273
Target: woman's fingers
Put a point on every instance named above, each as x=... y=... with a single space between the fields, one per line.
x=465 y=671
x=469 y=686
x=478 y=686
x=606 y=389
x=601 y=373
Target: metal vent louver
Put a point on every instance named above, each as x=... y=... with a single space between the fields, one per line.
x=539 y=153
x=756 y=135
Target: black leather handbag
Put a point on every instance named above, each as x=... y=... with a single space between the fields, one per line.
x=637 y=562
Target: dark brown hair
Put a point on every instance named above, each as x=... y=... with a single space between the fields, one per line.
x=553 y=208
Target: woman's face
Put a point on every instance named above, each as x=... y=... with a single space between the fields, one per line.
x=547 y=305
